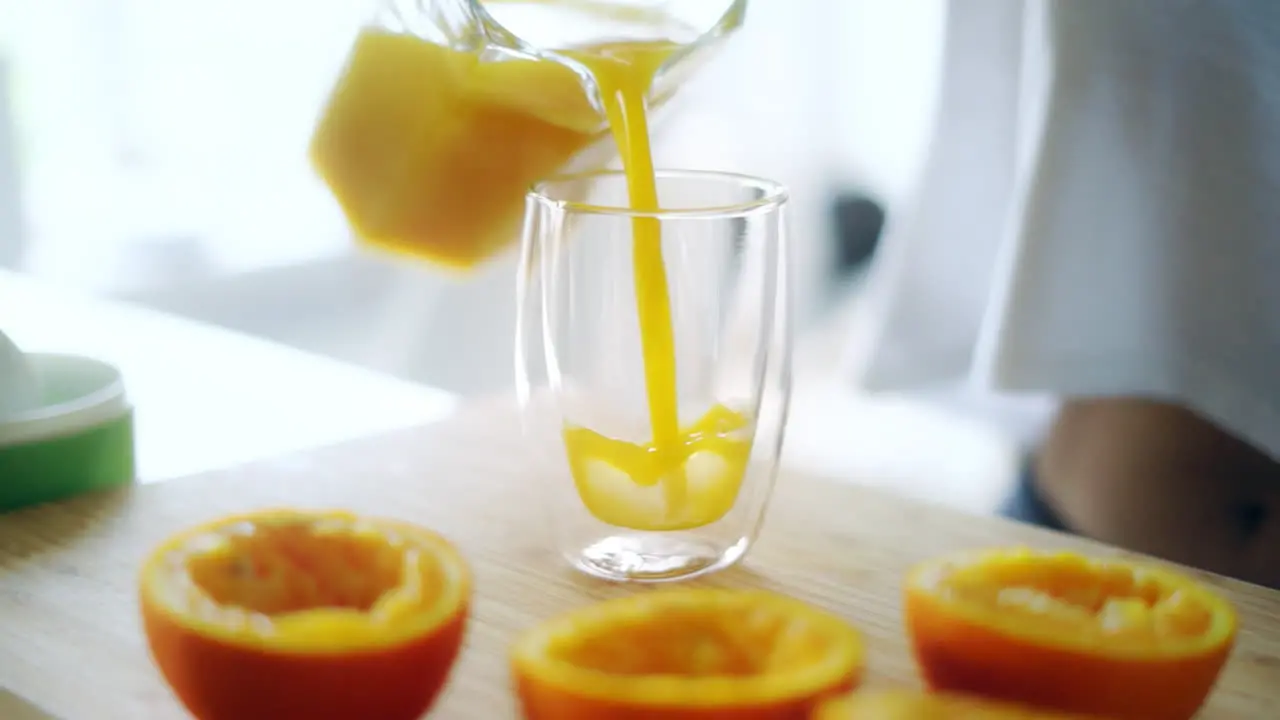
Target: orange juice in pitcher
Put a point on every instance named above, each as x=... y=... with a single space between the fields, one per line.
x=448 y=111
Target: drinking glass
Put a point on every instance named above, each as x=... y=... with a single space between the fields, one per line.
x=621 y=504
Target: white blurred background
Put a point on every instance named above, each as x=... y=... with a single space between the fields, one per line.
x=153 y=150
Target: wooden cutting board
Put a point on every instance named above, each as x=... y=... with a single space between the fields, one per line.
x=14 y=707
x=70 y=639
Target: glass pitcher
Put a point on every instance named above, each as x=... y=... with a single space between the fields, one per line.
x=448 y=111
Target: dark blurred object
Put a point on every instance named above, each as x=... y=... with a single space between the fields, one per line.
x=858 y=221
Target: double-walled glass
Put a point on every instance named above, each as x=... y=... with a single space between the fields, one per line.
x=628 y=498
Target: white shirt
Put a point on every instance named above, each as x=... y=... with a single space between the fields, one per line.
x=1099 y=213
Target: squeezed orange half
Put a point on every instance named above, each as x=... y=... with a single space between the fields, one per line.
x=285 y=614
x=686 y=654
x=1111 y=637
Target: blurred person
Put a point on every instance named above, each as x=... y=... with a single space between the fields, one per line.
x=1099 y=219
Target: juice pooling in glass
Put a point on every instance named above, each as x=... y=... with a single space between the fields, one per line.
x=447 y=111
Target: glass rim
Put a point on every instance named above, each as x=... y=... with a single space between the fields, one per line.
x=774 y=196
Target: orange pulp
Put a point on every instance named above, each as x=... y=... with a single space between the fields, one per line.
x=285 y=614
x=1125 y=640
x=686 y=654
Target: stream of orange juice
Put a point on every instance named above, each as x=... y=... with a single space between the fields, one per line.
x=443 y=176
x=616 y=478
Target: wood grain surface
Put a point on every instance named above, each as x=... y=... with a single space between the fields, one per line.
x=70 y=639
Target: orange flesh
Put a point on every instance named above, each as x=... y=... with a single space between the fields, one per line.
x=1071 y=597
x=297 y=582
x=691 y=643
x=698 y=648
x=1111 y=637
x=284 y=569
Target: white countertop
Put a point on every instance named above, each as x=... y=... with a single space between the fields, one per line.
x=206 y=397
